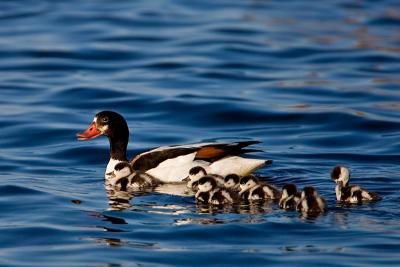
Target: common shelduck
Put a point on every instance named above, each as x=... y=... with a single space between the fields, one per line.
x=128 y=179
x=170 y=164
x=198 y=172
x=311 y=202
x=346 y=193
x=252 y=189
x=215 y=195
x=290 y=197
x=231 y=182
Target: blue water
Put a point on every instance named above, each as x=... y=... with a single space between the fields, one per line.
x=318 y=83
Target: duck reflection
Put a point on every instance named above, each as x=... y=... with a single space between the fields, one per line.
x=116 y=242
x=120 y=200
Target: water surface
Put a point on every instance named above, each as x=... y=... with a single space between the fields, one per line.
x=317 y=83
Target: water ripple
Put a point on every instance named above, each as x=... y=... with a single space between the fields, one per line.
x=315 y=83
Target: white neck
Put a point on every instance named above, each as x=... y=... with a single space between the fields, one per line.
x=338 y=192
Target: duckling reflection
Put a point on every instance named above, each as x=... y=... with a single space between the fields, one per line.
x=116 y=242
x=117 y=199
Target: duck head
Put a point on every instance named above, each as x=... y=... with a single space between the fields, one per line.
x=112 y=125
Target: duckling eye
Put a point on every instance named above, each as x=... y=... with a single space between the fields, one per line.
x=105 y=119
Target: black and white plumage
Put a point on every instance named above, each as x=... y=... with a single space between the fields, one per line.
x=208 y=189
x=205 y=189
x=232 y=182
x=252 y=189
x=310 y=201
x=195 y=174
x=128 y=179
x=346 y=193
x=198 y=172
x=170 y=164
x=289 y=197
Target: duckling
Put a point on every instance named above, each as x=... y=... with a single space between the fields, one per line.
x=252 y=189
x=130 y=179
x=198 y=172
x=310 y=202
x=231 y=182
x=195 y=174
x=209 y=189
x=290 y=197
x=346 y=193
x=206 y=188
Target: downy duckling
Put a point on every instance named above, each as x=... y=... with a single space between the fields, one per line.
x=290 y=197
x=231 y=182
x=310 y=202
x=208 y=188
x=252 y=189
x=196 y=173
x=346 y=193
x=130 y=179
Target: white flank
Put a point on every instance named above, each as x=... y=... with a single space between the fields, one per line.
x=176 y=169
x=238 y=165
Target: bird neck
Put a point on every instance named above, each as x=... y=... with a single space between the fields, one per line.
x=118 y=147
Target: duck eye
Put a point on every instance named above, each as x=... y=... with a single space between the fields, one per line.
x=105 y=119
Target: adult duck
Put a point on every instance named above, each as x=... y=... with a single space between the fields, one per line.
x=170 y=164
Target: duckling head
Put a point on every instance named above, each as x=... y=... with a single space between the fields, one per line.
x=196 y=173
x=340 y=174
x=288 y=190
x=206 y=184
x=231 y=180
x=309 y=192
x=122 y=169
x=247 y=182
